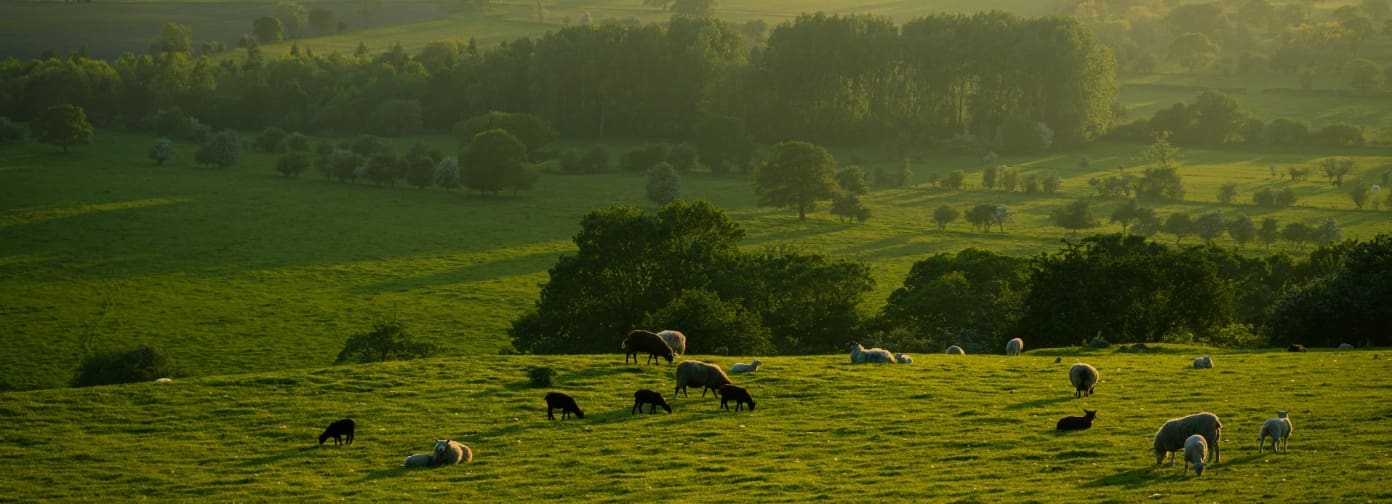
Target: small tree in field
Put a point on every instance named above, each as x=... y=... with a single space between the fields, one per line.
x=162 y=151
x=62 y=125
x=848 y=206
x=944 y=215
x=1209 y=225
x=387 y=341
x=1180 y=225
x=1242 y=230
x=1227 y=192
x=1077 y=215
x=447 y=173
x=796 y=175
x=664 y=184
x=1269 y=232
x=852 y=180
x=491 y=161
x=292 y=164
x=222 y=150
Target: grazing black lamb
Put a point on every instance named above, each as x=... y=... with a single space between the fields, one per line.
x=1077 y=422
x=639 y=340
x=338 y=430
x=651 y=397
x=740 y=395
x=557 y=400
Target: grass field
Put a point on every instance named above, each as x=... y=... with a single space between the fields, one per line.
x=242 y=270
x=977 y=428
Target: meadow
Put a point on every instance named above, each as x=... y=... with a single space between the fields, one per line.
x=976 y=428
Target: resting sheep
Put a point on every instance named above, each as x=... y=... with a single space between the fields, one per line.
x=1013 y=347
x=1084 y=378
x=1279 y=429
x=903 y=358
x=739 y=395
x=745 y=367
x=955 y=350
x=1077 y=422
x=1174 y=432
x=1195 y=451
x=565 y=403
x=860 y=354
x=646 y=396
x=699 y=374
x=419 y=460
x=674 y=339
x=450 y=452
x=1345 y=346
x=338 y=430
x=644 y=341
x=1297 y=347
x=1204 y=362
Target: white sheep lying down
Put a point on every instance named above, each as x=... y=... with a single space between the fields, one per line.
x=860 y=354
x=1279 y=429
x=1175 y=431
x=1204 y=362
x=746 y=367
x=903 y=358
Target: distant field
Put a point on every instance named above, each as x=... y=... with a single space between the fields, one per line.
x=978 y=428
x=242 y=270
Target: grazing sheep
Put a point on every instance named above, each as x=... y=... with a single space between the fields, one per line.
x=1204 y=362
x=565 y=403
x=338 y=430
x=745 y=367
x=903 y=358
x=1195 y=451
x=1345 y=346
x=860 y=354
x=419 y=460
x=646 y=396
x=644 y=341
x=1077 y=422
x=1297 y=347
x=450 y=452
x=674 y=339
x=1279 y=429
x=1084 y=378
x=740 y=395
x=955 y=350
x=1014 y=346
x=699 y=374
x=1171 y=436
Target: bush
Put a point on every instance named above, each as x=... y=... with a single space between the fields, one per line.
x=1338 y=135
x=9 y=131
x=272 y=140
x=682 y=156
x=387 y=341
x=140 y=364
x=595 y=160
x=540 y=376
x=644 y=158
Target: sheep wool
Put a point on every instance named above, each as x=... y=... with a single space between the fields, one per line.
x=699 y=374
x=450 y=452
x=1195 y=451
x=745 y=367
x=1014 y=346
x=1204 y=362
x=1174 y=432
x=955 y=350
x=674 y=339
x=1083 y=377
x=419 y=460
x=903 y=358
x=1279 y=429
x=860 y=354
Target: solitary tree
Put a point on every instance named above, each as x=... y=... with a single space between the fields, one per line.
x=1359 y=192
x=62 y=125
x=852 y=180
x=944 y=215
x=1209 y=225
x=268 y=30
x=162 y=151
x=848 y=206
x=1227 y=192
x=1242 y=230
x=1180 y=225
x=1077 y=215
x=1126 y=214
x=222 y=150
x=796 y=175
x=664 y=184
x=491 y=161
x=291 y=164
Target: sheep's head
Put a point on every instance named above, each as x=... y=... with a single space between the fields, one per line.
x=1090 y=414
x=441 y=445
x=1282 y=413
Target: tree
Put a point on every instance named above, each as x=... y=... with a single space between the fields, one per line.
x=1348 y=304
x=972 y=297
x=723 y=143
x=222 y=150
x=1366 y=77
x=162 y=151
x=664 y=184
x=420 y=165
x=1147 y=222
x=1360 y=192
x=730 y=325
x=144 y=363
x=533 y=131
x=988 y=177
x=848 y=206
x=1327 y=233
x=852 y=180
x=1209 y=225
x=1180 y=225
x=944 y=215
x=1077 y=215
x=1126 y=214
x=62 y=125
x=1270 y=232
x=387 y=341
x=1335 y=169
x=292 y=164
x=1052 y=183
x=272 y=140
x=982 y=216
x=1296 y=233
x=174 y=38
x=954 y=180
x=1193 y=51
x=796 y=175
x=1161 y=180
x=491 y=160
x=268 y=30
x=9 y=130
x=447 y=173
x=1242 y=230
x=293 y=17
x=1227 y=192
x=367 y=9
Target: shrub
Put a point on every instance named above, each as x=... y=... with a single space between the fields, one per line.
x=540 y=376
x=1338 y=135
x=272 y=139
x=595 y=160
x=388 y=340
x=9 y=131
x=645 y=157
x=139 y=364
x=682 y=156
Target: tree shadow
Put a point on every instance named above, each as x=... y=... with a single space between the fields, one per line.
x=1040 y=402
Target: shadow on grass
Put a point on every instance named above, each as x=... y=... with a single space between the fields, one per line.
x=1131 y=478
x=277 y=457
x=1041 y=402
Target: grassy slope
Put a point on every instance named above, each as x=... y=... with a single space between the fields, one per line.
x=242 y=270
x=974 y=428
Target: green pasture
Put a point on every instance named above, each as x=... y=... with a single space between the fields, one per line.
x=976 y=428
x=245 y=271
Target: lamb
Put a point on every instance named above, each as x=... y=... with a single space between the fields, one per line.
x=557 y=400
x=1077 y=422
x=740 y=395
x=1279 y=429
x=419 y=460
x=1204 y=362
x=1174 y=432
x=699 y=374
x=450 y=452
x=903 y=358
x=955 y=350
x=338 y=430
x=646 y=396
x=644 y=341
x=1195 y=451
x=1297 y=347
x=1014 y=346
x=743 y=367
x=674 y=339
x=1084 y=378
x=1342 y=346
x=860 y=355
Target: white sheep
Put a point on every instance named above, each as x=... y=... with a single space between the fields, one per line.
x=1345 y=346
x=450 y=452
x=1204 y=362
x=419 y=460
x=1014 y=346
x=1174 y=432
x=674 y=339
x=860 y=354
x=746 y=367
x=1279 y=429
x=903 y=358
x=1195 y=451
x=1083 y=377
x=955 y=350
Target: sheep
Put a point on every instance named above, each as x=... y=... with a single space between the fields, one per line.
x=743 y=367
x=646 y=396
x=419 y=460
x=903 y=358
x=1297 y=347
x=1173 y=433
x=565 y=403
x=1345 y=346
x=338 y=430
x=699 y=374
x=1077 y=422
x=1084 y=378
x=1204 y=362
x=1279 y=429
x=860 y=354
x=644 y=341
x=674 y=339
x=740 y=395
x=165 y=379
x=450 y=452
x=1195 y=451
x=955 y=350
x=1014 y=346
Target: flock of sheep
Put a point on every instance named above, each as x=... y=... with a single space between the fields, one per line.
x=1195 y=436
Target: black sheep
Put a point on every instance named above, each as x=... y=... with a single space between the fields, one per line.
x=738 y=394
x=1296 y=347
x=646 y=396
x=1077 y=422
x=338 y=430
x=639 y=340
x=565 y=403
